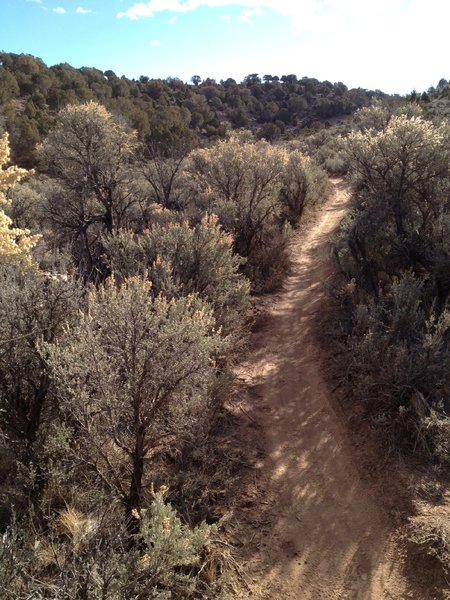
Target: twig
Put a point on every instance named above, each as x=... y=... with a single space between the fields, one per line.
x=247 y=415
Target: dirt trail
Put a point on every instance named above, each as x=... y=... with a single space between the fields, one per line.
x=315 y=528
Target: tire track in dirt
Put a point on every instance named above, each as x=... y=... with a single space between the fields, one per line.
x=314 y=529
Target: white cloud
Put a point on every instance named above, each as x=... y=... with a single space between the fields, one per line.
x=373 y=43
x=138 y=11
x=290 y=8
x=247 y=14
x=83 y=11
x=312 y=16
x=172 y=20
x=394 y=44
x=59 y=10
x=155 y=43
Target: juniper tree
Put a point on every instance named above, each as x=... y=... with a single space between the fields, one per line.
x=91 y=156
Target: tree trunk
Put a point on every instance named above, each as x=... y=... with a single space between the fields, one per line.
x=85 y=263
x=133 y=503
x=359 y=254
x=109 y=219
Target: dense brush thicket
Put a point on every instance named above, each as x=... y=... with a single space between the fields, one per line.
x=394 y=249
x=31 y=94
x=125 y=277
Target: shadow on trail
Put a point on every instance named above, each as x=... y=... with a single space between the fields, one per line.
x=309 y=526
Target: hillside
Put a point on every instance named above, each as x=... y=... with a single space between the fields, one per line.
x=31 y=94
x=222 y=373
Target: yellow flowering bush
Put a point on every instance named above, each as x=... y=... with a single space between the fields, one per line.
x=15 y=243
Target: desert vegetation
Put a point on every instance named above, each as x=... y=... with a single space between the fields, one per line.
x=393 y=255
x=393 y=249
x=140 y=223
x=166 y=111
x=127 y=270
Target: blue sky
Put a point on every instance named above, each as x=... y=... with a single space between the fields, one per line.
x=393 y=45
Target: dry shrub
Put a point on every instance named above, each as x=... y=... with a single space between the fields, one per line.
x=438 y=428
x=255 y=189
x=269 y=263
x=433 y=538
x=78 y=556
x=397 y=361
x=394 y=254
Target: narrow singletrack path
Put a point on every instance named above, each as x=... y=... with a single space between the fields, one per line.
x=316 y=528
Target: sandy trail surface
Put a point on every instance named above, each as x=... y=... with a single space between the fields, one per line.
x=314 y=527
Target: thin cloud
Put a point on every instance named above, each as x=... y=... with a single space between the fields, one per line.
x=155 y=43
x=247 y=14
x=315 y=16
x=226 y=18
x=172 y=20
x=83 y=11
x=59 y=10
x=345 y=37
x=289 y=8
x=38 y=3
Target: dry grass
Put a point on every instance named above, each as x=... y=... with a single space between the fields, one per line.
x=78 y=527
